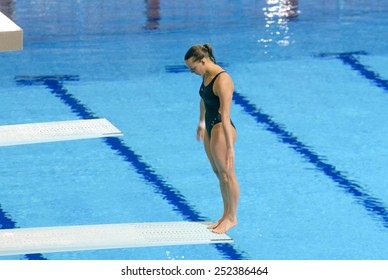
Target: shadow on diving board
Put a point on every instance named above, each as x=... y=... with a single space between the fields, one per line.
x=109 y=236
x=19 y=134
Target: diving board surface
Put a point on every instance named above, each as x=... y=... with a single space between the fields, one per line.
x=11 y=35
x=108 y=236
x=19 y=134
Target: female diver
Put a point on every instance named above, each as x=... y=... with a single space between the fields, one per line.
x=216 y=128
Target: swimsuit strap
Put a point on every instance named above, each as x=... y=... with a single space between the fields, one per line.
x=219 y=74
x=216 y=76
x=212 y=81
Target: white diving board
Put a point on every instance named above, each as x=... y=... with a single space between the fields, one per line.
x=108 y=236
x=19 y=134
x=11 y=35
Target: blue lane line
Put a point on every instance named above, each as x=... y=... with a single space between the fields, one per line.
x=160 y=186
x=371 y=204
x=350 y=58
x=5 y=221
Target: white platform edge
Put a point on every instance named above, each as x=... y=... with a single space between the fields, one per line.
x=108 y=236
x=19 y=134
x=11 y=35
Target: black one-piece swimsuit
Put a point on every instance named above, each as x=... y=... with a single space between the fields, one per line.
x=212 y=105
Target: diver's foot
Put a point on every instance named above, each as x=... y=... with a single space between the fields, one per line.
x=225 y=225
x=213 y=226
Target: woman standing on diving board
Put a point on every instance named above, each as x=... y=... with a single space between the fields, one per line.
x=216 y=128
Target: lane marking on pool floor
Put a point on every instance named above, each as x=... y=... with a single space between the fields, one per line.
x=350 y=59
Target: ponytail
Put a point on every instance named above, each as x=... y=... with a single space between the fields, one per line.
x=209 y=50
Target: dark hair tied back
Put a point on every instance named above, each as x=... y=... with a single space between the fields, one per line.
x=198 y=52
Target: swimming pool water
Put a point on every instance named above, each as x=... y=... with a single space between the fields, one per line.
x=309 y=105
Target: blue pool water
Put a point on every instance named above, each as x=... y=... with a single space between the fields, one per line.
x=310 y=103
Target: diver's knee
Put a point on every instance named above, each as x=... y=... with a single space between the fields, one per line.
x=224 y=176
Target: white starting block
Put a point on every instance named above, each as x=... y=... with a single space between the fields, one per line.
x=18 y=134
x=108 y=236
x=11 y=35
